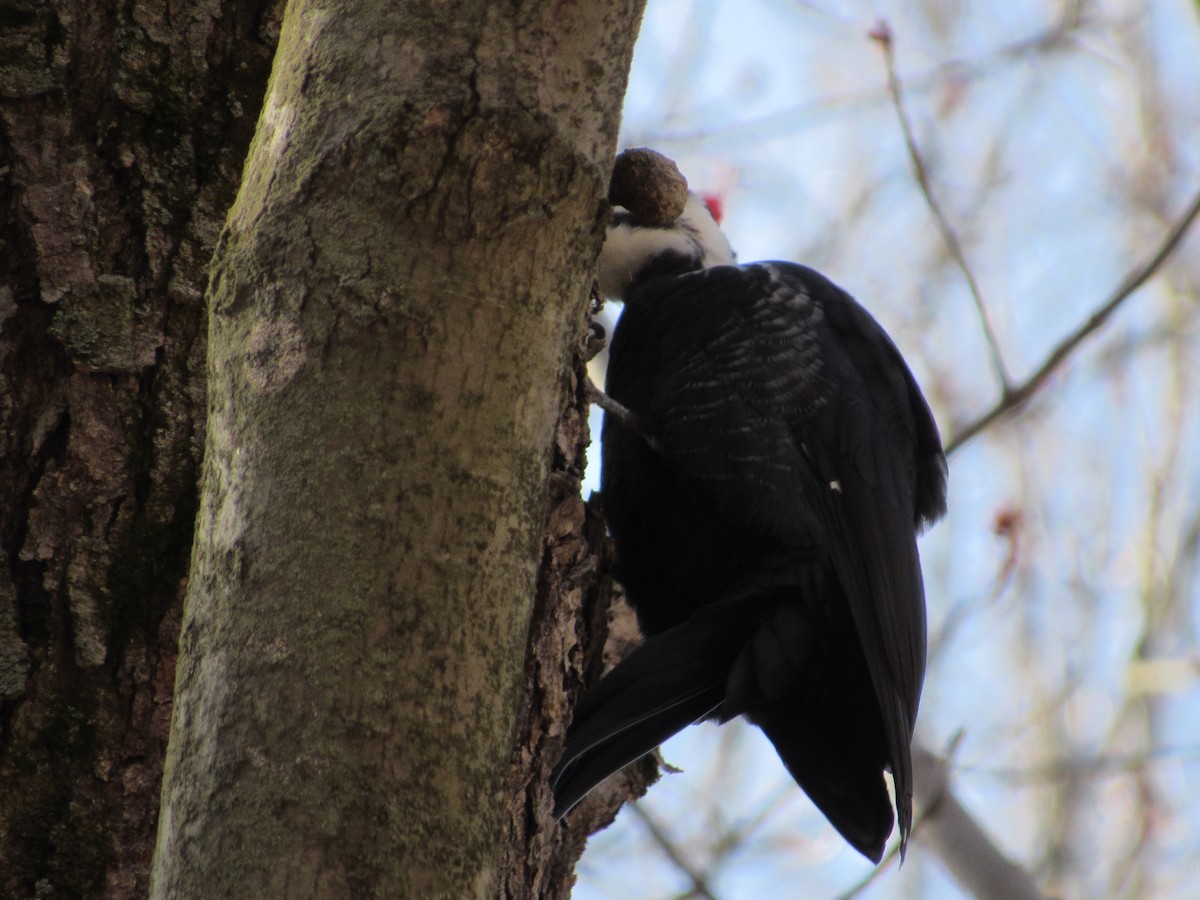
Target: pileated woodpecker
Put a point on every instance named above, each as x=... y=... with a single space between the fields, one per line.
x=764 y=486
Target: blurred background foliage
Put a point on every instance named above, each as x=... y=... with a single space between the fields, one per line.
x=1059 y=146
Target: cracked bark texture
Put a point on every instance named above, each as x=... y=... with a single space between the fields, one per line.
x=576 y=622
x=122 y=132
x=395 y=302
x=446 y=216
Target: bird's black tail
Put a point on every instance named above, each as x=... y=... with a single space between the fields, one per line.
x=845 y=783
x=805 y=683
x=807 y=688
x=671 y=681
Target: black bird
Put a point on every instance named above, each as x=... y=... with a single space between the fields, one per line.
x=764 y=490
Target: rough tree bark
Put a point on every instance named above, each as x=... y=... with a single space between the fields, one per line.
x=394 y=304
x=123 y=129
x=122 y=133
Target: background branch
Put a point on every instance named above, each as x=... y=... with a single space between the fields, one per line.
x=1018 y=395
x=700 y=886
x=961 y=843
x=882 y=34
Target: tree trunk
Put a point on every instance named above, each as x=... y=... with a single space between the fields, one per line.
x=394 y=303
x=122 y=131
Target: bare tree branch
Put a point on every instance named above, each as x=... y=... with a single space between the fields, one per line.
x=700 y=887
x=882 y=34
x=961 y=843
x=1018 y=395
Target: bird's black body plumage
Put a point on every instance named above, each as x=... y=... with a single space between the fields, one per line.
x=767 y=539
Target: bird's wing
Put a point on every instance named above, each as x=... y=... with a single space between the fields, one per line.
x=788 y=405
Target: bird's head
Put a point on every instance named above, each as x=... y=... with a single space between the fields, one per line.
x=634 y=252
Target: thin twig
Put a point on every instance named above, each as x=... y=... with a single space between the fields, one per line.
x=1128 y=285
x=699 y=881
x=882 y=34
x=627 y=416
